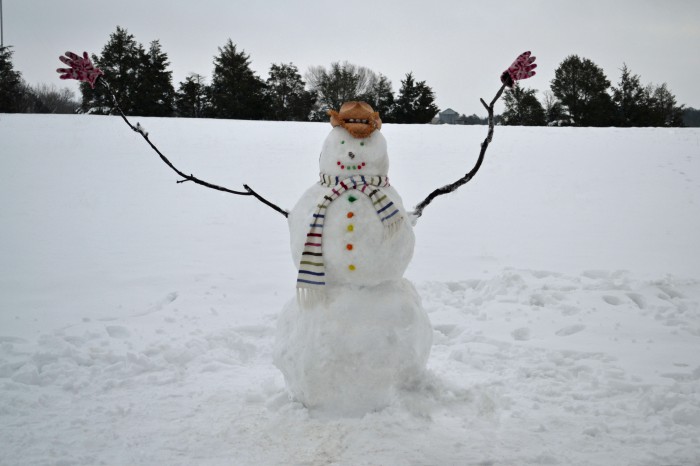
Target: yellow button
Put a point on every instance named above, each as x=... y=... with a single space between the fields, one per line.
x=351 y=227
x=351 y=267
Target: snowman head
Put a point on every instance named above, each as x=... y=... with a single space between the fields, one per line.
x=354 y=145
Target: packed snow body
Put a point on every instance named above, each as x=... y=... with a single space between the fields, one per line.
x=353 y=234
x=350 y=355
x=369 y=334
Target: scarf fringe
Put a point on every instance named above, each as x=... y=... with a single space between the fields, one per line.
x=391 y=230
x=309 y=298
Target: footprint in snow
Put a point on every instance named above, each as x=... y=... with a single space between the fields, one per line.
x=167 y=299
x=117 y=331
x=612 y=300
x=638 y=299
x=521 y=334
x=670 y=292
x=570 y=330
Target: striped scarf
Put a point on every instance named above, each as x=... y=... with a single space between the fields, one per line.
x=312 y=275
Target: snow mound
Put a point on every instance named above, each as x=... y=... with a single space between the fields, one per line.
x=348 y=356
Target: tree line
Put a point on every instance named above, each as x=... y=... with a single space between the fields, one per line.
x=143 y=84
x=581 y=95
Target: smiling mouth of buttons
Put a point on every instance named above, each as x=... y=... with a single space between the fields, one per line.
x=356 y=120
x=358 y=166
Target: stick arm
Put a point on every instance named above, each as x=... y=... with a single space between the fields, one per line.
x=418 y=209
x=185 y=178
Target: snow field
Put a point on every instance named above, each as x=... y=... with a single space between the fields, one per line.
x=137 y=316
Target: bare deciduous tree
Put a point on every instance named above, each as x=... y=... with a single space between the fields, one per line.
x=55 y=100
x=342 y=82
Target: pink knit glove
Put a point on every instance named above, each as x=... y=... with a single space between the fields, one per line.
x=522 y=68
x=81 y=69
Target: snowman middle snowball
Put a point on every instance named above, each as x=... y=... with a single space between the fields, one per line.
x=357 y=248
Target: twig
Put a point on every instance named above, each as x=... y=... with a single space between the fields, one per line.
x=139 y=129
x=265 y=201
x=418 y=210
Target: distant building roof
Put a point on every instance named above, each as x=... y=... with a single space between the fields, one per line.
x=449 y=111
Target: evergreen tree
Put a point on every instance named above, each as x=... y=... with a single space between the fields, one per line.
x=236 y=91
x=288 y=98
x=193 y=98
x=11 y=86
x=691 y=117
x=121 y=62
x=425 y=108
x=632 y=100
x=155 y=93
x=408 y=94
x=415 y=102
x=602 y=111
x=664 y=110
x=381 y=98
x=522 y=108
x=581 y=87
x=645 y=106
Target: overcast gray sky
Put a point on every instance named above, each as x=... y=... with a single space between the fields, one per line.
x=458 y=47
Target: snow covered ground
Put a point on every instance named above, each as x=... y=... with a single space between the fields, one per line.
x=137 y=315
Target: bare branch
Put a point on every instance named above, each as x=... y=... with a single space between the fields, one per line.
x=140 y=129
x=418 y=210
x=265 y=201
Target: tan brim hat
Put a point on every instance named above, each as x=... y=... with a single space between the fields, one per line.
x=358 y=118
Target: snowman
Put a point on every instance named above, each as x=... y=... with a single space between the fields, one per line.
x=356 y=331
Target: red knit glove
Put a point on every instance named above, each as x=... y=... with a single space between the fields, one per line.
x=81 y=69
x=522 y=68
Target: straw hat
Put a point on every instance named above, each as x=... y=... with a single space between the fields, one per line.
x=359 y=118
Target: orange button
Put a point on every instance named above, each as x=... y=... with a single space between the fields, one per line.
x=351 y=214
x=349 y=247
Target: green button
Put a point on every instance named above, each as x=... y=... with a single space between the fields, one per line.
x=352 y=198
